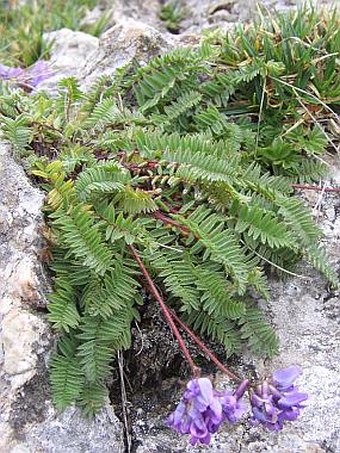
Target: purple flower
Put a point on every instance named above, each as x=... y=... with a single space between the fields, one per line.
x=8 y=72
x=278 y=400
x=39 y=72
x=199 y=413
x=232 y=405
x=202 y=410
x=30 y=77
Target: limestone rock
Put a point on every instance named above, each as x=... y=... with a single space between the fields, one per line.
x=69 y=50
x=138 y=10
x=87 y=58
x=21 y=332
x=128 y=39
x=28 y=421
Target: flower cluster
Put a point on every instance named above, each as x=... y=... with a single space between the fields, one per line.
x=202 y=410
x=30 y=77
x=273 y=402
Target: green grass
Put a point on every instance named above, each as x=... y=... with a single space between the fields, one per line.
x=22 y=27
x=172 y=13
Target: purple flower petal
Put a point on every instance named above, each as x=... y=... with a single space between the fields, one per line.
x=206 y=440
x=39 y=72
x=176 y=417
x=193 y=440
x=256 y=400
x=198 y=428
x=32 y=76
x=274 y=403
x=192 y=389
x=9 y=72
x=289 y=414
x=239 y=392
x=260 y=415
x=203 y=409
x=285 y=377
x=206 y=390
x=292 y=399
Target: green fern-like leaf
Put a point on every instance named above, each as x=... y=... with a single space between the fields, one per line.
x=220 y=330
x=260 y=335
x=217 y=298
x=184 y=103
x=63 y=312
x=135 y=201
x=177 y=272
x=261 y=225
x=108 y=177
x=100 y=338
x=104 y=113
x=92 y=397
x=17 y=131
x=299 y=219
x=220 y=244
x=67 y=378
x=318 y=258
x=81 y=235
x=106 y=296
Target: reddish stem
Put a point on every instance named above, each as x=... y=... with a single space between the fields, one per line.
x=164 y=218
x=317 y=188
x=195 y=369
x=204 y=348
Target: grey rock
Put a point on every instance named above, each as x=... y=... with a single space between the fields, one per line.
x=19 y=362
x=226 y=13
x=128 y=39
x=71 y=433
x=199 y=15
x=28 y=421
x=69 y=51
x=87 y=58
x=138 y=10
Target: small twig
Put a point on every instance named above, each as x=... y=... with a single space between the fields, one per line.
x=124 y=402
x=282 y=269
x=317 y=206
x=164 y=218
x=260 y=114
x=141 y=339
x=201 y=344
x=204 y=348
x=316 y=188
x=316 y=122
x=195 y=369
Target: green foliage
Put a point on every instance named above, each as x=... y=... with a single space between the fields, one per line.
x=258 y=333
x=172 y=14
x=22 y=26
x=66 y=378
x=190 y=158
x=16 y=131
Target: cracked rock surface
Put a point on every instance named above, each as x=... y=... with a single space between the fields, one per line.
x=28 y=422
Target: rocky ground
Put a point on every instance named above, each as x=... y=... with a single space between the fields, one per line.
x=304 y=310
